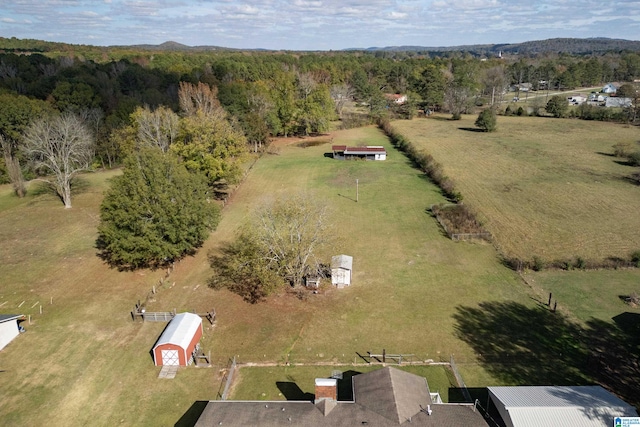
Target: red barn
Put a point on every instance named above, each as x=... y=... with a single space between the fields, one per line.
x=178 y=341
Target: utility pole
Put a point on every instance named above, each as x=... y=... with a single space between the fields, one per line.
x=357 y=190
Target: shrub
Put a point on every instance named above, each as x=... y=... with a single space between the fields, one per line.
x=487 y=120
x=521 y=112
x=635 y=258
x=538 y=263
x=634 y=158
x=622 y=149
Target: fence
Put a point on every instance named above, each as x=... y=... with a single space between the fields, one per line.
x=227 y=379
x=158 y=316
x=459 y=380
x=459 y=236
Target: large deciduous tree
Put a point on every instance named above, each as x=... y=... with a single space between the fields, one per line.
x=157 y=127
x=61 y=145
x=156 y=212
x=280 y=246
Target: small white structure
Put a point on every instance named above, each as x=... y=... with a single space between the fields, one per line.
x=9 y=328
x=178 y=341
x=341 y=270
x=543 y=406
x=369 y=152
x=609 y=88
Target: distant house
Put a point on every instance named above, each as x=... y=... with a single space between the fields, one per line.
x=577 y=99
x=385 y=397
x=521 y=87
x=178 y=342
x=341 y=270
x=609 y=88
x=396 y=98
x=9 y=328
x=369 y=152
x=618 y=102
x=543 y=406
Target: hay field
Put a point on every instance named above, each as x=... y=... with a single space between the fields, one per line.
x=543 y=187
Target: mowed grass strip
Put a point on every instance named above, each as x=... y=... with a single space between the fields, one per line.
x=543 y=187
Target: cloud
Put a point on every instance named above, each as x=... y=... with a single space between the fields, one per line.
x=317 y=24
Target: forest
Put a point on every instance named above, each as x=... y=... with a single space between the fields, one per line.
x=265 y=93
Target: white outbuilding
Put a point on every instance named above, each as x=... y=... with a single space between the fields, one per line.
x=341 y=270
x=9 y=328
x=543 y=406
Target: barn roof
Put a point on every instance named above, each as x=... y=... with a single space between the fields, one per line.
x=342 y=261
x=365 y=150
x=338 y=147
x=537 y=406
x=180 y=330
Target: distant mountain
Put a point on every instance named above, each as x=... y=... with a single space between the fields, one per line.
x=557 y=45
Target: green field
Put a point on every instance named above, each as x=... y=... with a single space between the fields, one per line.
x=542 y=187
x=84 y=361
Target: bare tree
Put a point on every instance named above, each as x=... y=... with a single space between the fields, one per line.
x=199 y=97
x=13 y=166
x=341 y=94
x=157 y=128
x=63 y=146
x=290 y=231
x=495 y=81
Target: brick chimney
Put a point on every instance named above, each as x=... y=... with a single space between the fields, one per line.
x=326 y=389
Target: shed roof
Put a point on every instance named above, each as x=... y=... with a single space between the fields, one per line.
x=537 y=406
x=9 y=317
x=364 y=150
x=180 y=330
x=342 y=261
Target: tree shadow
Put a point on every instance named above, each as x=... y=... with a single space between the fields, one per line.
x=534 y=346
x=471 y=129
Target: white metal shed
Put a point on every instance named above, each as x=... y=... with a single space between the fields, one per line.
x=9 y=328
x=561 y=406
x=341 y=270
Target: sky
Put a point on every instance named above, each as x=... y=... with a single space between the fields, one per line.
x=316 y=24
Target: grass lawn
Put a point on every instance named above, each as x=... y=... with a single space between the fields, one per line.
x=297 y=382
x=543 y=187
x=84 y=361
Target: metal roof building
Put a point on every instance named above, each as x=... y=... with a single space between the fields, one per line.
x=570 y=406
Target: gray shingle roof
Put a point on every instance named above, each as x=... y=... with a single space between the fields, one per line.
x=386 y=397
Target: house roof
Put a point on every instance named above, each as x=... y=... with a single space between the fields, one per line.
x=579 y=406
x=392 y=393
x=180 y=330
x=9 y=317
x=342 y=261
x=338 y=147
x=381 y=387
